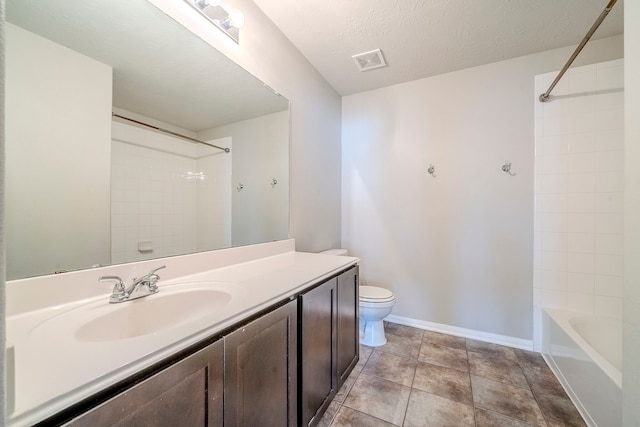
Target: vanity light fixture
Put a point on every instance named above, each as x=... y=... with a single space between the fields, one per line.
x=227 y=19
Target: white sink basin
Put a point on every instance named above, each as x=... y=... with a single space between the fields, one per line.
x=172 y=307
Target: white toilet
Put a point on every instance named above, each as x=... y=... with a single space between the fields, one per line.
x=375 y=304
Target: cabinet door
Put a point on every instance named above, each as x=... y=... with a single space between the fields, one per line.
x=261 y=371
x=188 y=393
x=348 y=342
x=318 y=351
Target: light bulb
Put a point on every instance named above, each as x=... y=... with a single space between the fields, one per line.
x=236 y=18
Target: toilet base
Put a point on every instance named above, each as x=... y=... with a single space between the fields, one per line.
x=372 y=333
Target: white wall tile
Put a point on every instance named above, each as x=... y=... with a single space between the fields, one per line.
x=581 y=162
x=609 y=77
x=555 y=261
x=556 y=183
x=554 y=202
x=555 y=125
x=609 y=182
x=609 y=223
x=554 y=299
x=554 y=222
x=581 y=202
x=580 y=263
x=610 y=161
x=612 y=286
x=612 y=119
x=582 y=104
x=583 y=170
x=610 y=100
x=580 y=282
x=611 y=244
x=554 y=280
x=579 y=142
x=555 y=242
x=581 y=242
x=608 y=306
x=609 y=203
x=579 y=302
x=581 y=222
x=554 y=163
x=609 y=140
x=555 y=145
x=609 y=265
x=582 y=80
x=581 y=183
x=583 y=122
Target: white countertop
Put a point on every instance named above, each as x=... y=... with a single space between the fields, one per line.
x=53 y=372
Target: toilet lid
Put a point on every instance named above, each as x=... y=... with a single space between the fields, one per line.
x=375 y=294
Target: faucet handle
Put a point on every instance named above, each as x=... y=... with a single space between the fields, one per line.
x=156 y=269
x=119 y=285
x=119 y=292
x=153 y=278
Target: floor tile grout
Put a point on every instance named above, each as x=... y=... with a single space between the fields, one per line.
x=497 y=370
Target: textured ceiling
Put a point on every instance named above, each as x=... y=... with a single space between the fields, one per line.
x=421 y=38
x=160 y=69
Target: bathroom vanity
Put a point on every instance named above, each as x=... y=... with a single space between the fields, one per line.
x=288 y=326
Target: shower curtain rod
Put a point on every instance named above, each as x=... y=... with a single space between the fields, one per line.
x=226 y=150
x=547 y=95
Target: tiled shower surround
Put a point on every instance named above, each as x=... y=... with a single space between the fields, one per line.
x=156 y=197
x=579 y=164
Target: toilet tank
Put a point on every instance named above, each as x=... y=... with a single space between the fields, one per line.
x=340 y=252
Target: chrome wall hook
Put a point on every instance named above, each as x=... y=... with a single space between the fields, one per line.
x=507 y=168
x=239 y=187
x=274 y=182
x=432 y=170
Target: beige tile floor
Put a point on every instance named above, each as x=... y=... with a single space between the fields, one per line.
x=422 y=378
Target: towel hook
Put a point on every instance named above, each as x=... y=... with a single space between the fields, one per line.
x=507 y=168
x=240 y=187
x=432 y=170
x=274 y=182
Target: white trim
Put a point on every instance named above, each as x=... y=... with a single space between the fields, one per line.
x=462 y=332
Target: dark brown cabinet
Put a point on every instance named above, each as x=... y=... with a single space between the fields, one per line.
x=348 y=339
x=318 y=379
x=188 y=393
x=261 y=371
x=329 y=345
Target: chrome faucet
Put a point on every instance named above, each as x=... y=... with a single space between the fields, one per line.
x=142 y=287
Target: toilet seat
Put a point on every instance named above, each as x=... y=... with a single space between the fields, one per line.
x=374 y=294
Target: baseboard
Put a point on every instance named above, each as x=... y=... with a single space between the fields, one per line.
x=462 y=332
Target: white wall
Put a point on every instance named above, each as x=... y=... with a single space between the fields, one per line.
x=57 y=219
x=260 y=154
x=315 y=116
x=631 y=343
x=457 y=248
x=579 y=224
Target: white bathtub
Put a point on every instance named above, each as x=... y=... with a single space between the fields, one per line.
x=585 y=353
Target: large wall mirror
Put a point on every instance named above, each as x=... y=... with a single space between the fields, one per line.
x=87 y=189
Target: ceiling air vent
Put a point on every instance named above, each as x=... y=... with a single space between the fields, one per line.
x=369 y=60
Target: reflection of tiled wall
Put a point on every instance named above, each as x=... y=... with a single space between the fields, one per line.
x=153 y=200
x=579 y=159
